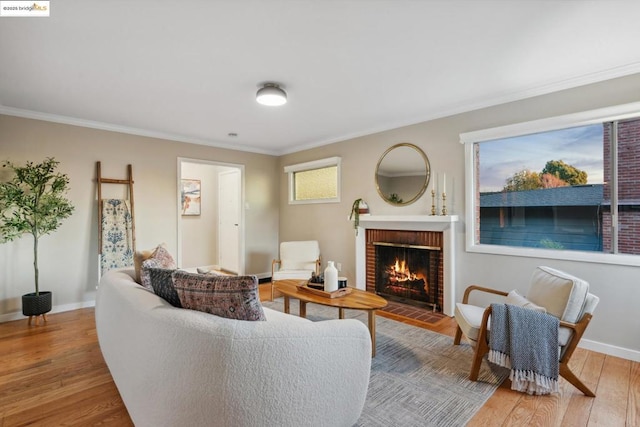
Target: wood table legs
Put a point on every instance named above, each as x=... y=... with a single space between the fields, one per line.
x=303 y=309
x=371 y=314
x=372 y=331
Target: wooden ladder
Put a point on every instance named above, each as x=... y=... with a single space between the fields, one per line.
x=129 y=182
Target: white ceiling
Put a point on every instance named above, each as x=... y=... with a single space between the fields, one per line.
x=189 y=70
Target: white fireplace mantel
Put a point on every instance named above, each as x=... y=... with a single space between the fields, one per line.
x=443 y=223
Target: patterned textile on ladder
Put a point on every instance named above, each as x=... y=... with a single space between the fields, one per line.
x=526 y=341
x=117 y=235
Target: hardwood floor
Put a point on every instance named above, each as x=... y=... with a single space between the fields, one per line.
x=54 y=374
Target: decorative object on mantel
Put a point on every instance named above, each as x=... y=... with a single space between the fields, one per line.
x=359 y=207
x=435 y=196
x=433 y=201
x=402 y=174
x=33 y=203
x=444 y=204
x=444 y=194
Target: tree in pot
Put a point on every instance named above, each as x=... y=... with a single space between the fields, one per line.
x=33 y=202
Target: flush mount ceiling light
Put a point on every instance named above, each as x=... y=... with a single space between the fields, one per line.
x=271 y=94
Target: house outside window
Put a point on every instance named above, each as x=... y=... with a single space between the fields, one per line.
x=565 y=188
x=314 y=182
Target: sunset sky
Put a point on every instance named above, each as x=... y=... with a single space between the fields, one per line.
x=580 y=147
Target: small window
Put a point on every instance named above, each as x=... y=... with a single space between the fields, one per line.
x=314 y=182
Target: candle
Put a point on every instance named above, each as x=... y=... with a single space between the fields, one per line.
x=444 y=183
x=432 y=184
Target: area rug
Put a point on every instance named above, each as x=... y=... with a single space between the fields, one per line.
x=418 y=377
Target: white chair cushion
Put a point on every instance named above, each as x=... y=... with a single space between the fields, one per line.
x=469 y=318
x=292 y=274
x=300 y=255
x=560 y=293
x=514 y=298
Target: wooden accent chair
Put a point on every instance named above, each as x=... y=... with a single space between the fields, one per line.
x=562 y=295
x=298 y=260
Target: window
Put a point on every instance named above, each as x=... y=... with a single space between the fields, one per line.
x=565 y=187
x=314 y=182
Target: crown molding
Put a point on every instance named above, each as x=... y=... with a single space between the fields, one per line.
x=54 y=118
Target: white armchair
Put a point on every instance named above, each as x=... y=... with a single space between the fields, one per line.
x=298 y=260
x=560 y=294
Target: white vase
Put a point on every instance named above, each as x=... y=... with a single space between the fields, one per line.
x=330 y=277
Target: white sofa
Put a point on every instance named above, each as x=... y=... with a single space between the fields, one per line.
x=179 y=367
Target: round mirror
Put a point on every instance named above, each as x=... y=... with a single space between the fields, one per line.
x=402 y=174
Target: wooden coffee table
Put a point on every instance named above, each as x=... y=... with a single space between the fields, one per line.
x=356 y=300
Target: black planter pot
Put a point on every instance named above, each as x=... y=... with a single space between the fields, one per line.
x=35 y=305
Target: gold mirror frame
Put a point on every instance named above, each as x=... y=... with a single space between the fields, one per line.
x=415 y=176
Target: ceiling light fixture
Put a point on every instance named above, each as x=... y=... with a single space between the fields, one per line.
x=271 y=94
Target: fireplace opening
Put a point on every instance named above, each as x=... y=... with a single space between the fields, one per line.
x=407 y=273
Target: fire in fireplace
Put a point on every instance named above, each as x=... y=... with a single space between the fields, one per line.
x=408 y=273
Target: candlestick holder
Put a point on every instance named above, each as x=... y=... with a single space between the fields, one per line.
x=444 y=203
x=433 y=202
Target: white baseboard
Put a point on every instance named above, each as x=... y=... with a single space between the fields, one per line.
x=611 y=350
x=263 y=275
x=55 y=309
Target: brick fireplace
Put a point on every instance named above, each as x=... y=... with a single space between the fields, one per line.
x=405 y=266
x=432 y=237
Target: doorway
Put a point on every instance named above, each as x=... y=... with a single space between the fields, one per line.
x=211 y=232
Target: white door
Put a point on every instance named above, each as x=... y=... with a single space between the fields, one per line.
x=229 y=217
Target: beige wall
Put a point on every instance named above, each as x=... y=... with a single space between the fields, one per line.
x=618 y=286
x=68 y=258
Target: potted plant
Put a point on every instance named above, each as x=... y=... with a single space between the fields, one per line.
x=33 y=202
x=359 y=207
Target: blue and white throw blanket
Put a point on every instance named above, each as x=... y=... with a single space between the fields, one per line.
x=526 y=341
x=117 y=235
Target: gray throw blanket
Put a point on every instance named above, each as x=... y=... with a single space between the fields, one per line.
x=526 y=341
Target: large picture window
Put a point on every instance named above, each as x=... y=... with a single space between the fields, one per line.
x=314 y=182
x=564 y=187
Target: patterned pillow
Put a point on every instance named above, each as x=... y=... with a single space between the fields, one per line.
x=138 y=258
x=162 y=285
x=161 y=258
x=233 y=297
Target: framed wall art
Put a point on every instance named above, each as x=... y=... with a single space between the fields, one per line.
x=190 y=196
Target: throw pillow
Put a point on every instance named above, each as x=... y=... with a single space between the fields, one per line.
x=562 y=294
x=138 y=258
x=161 y=258
x=514 y=298
x=233 y=297
x=162 y=284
